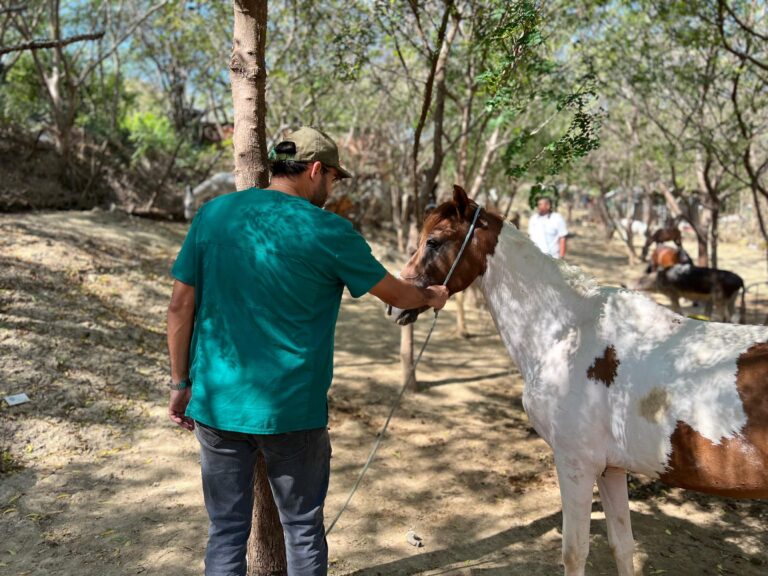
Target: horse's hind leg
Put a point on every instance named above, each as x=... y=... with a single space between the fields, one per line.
x=613 y=494
x=576 y=494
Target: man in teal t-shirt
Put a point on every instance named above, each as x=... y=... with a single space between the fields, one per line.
x=258 y=284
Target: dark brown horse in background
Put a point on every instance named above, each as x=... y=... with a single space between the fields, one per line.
x=669 y=232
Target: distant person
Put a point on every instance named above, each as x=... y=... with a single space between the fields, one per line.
x=547 y=229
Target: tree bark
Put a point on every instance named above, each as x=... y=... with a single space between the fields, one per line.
x=248 y=74
x=266 y=548
x=406 y=354
x=418 y=187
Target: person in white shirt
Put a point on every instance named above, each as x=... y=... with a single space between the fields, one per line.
x=547 y=229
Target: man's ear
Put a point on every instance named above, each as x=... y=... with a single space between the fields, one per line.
x=315 y=170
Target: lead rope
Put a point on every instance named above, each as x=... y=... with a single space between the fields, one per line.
x=411 y=377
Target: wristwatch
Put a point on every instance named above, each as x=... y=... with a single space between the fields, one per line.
x=180 y=385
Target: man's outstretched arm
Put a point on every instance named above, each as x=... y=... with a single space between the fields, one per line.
x=405 y=296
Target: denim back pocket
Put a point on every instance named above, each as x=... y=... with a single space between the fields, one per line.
x=286 y=446
x=207 y=436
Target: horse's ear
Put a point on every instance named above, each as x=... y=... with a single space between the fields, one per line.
x=461 y=198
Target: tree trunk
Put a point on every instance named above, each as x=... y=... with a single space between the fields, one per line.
x=714 y=236
x=266 y=549
x=248 y=74
x=406 y=354
x=438 y=117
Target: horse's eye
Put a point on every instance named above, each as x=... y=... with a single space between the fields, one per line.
x=433 y=243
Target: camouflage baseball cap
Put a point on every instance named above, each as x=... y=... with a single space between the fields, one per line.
x=311 y=145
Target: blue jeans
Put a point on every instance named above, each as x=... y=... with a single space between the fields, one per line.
x=298 y=468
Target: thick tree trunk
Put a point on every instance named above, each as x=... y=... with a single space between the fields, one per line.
x=248 y=74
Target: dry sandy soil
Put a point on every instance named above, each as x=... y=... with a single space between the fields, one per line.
x=99 y=482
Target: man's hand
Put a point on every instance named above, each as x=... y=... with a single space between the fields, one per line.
x=438 y=296
x=177 y=406
x=402 y=295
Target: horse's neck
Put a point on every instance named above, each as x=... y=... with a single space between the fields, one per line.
x=530 y=301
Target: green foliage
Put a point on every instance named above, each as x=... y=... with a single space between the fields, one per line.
x=106 y=101
x=351 y=45
x=22 y=99
x=541 y=190
x=554 y=111
x=151 y=134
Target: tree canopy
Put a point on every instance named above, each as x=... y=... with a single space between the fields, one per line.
x=660 y=101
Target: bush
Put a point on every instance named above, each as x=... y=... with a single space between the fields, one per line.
x=150 y=134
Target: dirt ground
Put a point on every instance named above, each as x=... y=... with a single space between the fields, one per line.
x=98 y=481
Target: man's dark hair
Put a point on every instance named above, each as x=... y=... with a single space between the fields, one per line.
x=287 y=168
x=280 y=162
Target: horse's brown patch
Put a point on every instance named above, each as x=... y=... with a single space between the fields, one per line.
x=604 y=369
x=737 y=466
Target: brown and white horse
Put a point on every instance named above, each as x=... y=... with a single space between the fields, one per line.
x=613 y=381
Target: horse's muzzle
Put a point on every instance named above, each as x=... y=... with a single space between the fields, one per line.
x=405 y=317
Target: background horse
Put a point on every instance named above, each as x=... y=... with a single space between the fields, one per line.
x=670 y=232
x=613 y=381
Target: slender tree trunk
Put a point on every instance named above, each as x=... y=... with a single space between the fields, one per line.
x=421 y=190
x=703 y=166
x=266 y=548
x=425 y=106
x=438 y=154
x=701 y=242
x=406 y=332
x=511 y=199
x=608 y=223
x=248 y=75
x=714 y=236
x=491 y=146
x=406 y=354
x=761 y=222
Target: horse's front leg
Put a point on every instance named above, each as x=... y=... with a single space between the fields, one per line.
x=576 y=480
x=613 y=493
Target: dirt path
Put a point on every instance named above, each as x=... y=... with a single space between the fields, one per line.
x=102 y=484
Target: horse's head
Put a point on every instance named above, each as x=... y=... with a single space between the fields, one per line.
x=441 y=238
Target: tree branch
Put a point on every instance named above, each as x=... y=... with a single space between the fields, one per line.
x=135 y=24
x=722 y=4
x=44 y=44
x=12 y=9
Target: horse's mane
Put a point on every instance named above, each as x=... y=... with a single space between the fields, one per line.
x=583 y=282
